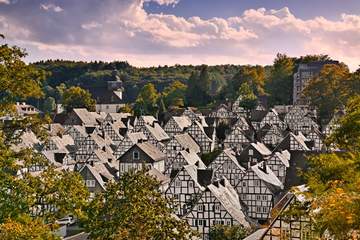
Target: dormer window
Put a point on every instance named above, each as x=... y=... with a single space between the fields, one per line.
x=136 y=155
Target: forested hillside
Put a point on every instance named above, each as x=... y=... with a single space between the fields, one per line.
x=199 y=86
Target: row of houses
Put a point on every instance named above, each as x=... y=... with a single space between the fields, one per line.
x=250 y=175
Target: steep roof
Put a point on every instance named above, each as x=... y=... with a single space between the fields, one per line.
x=186 y=141
x=192 y=158
x=261 y=148
x=182 y=121
x=157 y=132
x=229 y=199
x=136 y=136
x=267 y=175
x=152 y=151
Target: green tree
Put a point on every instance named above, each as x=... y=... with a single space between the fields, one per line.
x=224 y=232
x=49 y=104
x=147 y=100
x=22 y=194
x=248 y=98
x=253 y=76
x=280 y=83
x=26 y=228
x=330 y=90
x=199 y=85
x=133 y=208
x=76 y=97
x=18 y=80
x=126 y=109
x=174 y=95
x=334 y=180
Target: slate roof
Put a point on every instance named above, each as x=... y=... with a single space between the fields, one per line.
x=261 y=148
x=136 y=136
x=87 y=118
x=186 y=141
x=265 y=173
x=100 y=172
x=163 y=179
x=192 y=158
x=229 y=199
x=157 y=132
x=152 y=151
x=182 y=121
x=232 y=156
x=284 y=157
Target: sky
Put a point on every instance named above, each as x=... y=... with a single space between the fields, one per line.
x=168 y=32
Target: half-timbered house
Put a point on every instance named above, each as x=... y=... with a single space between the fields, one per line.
x=177 y=125
x=129 y=140
x=197 y=132
x=143 y=154
x=272 y=118
x=237 y=138
x=226 y=165
x=178 y=143
x=279 y=162
x=257 y=189
x=293 y=142
x=219 y=205
x=156 y=135
x=223 y=114
x=289 y=226
x=186 y=187
x=253 y=154
x=141 y=121
x=184 y=157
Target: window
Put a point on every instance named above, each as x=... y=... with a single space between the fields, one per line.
x=257 y=183
x=177 y=183
x=217 y=208
x=200 y=208
x=264 y=197
x=136 y=155
x=264 y=209
x=244 y=184
x=258 y=209
x=251 y=152
x=90 y=183
x=228 y=222
x=176 y=196
x=258 y=197
x=191 y=184
x=174 y=148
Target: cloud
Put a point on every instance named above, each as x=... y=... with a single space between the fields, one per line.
x=165 y=2
x=123 y=30
x=4 y=1
x=51 y=7
x=91 y=25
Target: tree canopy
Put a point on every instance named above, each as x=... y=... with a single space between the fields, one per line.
x=334 y=179
x=133 y=208
x=147 y=100
x=76 y=97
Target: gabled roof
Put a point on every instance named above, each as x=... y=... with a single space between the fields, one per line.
x=284 y=157
x=232 y=156
x=62 y=142
x=257 y=115
x=182 y=121
x=148 y=119
x=136 y=136
x=261 y=148
x=192 y=158
x=157 y=132
x=163 y=179
x=267 y=175
x=300 y=138
x=186 y=141
x=192 y=170
x=87 y=118
x=229 y=199
x=100 y=172
x=149 y=149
